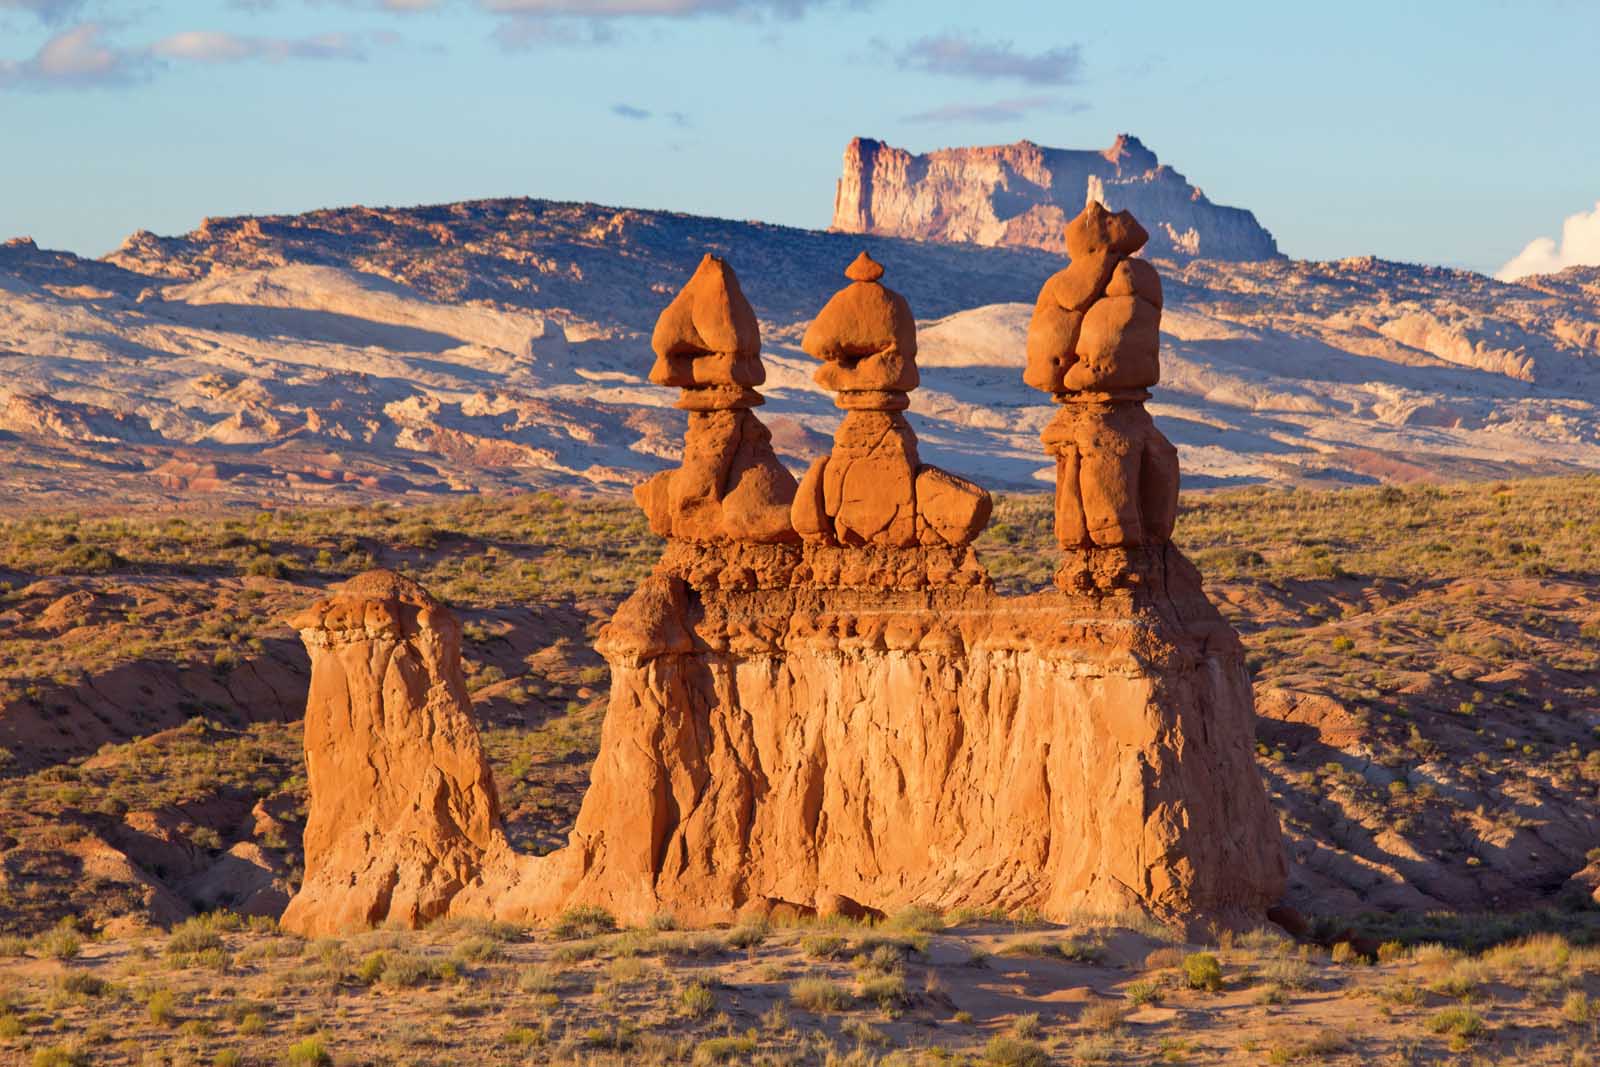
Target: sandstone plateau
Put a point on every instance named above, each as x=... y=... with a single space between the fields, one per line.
x=1023 y=194
x=848 y=719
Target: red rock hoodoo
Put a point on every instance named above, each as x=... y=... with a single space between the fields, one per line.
x=839 y=714
x=403 y=805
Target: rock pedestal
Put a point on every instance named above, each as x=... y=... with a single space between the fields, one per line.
x=1094 y=345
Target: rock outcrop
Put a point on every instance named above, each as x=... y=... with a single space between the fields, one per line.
x=852 y=721
x=403 y=805
x=1094 y=345
x=1022 y=194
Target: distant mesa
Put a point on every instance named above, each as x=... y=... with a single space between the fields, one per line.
x=1023 y=194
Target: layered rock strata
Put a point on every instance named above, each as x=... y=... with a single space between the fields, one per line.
x=1022 y=194
x=852 y=721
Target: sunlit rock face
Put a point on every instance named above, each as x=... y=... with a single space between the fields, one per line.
x=1024 y=193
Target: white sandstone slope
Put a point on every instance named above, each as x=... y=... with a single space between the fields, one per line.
x=504 y=344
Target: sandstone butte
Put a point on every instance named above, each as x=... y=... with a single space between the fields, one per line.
x=838 y=714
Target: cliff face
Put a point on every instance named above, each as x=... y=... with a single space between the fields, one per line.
x=1023 y=194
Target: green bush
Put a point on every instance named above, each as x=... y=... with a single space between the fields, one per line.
x=1202 y=971
x=308 y=1053
x=582 y=921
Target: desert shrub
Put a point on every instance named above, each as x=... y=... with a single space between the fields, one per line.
x=818 y=995
x=582 y=922
x=1462 y=1023
x=81 y=984
x=917 y=920
x=310 y=1052
x=1288 y=972
x=749 y=933
x=192 y=936
x=723 y=1050
x=538 y=979
x=1202 y=971
x=1003 y=1051
x=226 y=1058
x=60 y=1056
x=1026 y=1026
x=477 y=950
x=824 y=946
x=696 y=1001
x=11 y=1027
x=162 y=1007
x=888 y=991
x=1143 y=992
x=1578 y=1008
x=60 y=943
x=1104 y=1016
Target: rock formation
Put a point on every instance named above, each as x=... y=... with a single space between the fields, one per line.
x=731 y=485
x=1022 y=194
x=873 y=489
x=403 y=805
x=850 y=722
x=1093 y=345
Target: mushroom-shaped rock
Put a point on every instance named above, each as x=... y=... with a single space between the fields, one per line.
x=731 y=486
x=708 y=338
x=865 y=335
x=403 y=807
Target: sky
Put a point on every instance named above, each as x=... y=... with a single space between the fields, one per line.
x=1452 y=133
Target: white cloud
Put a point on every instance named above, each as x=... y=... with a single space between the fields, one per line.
x=81 y=57
x=75 y=57
x=996 y=110
x=211 y=46
x=1579 y=246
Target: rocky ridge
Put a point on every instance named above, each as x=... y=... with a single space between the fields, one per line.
x=502 y=345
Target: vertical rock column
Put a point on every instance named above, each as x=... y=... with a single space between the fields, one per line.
x=403 y=805
x=1093 y=344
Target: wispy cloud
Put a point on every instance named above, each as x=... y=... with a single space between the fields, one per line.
x=641 y=114
x=51 y=11
x=78 y=57
x=211 y=46
x=81 y=56
x=964 y=56
x=1579 y=246
x=997 y=110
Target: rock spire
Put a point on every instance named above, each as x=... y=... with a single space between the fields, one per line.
x=873 y=488
x=1093 y=344
x=731 y=486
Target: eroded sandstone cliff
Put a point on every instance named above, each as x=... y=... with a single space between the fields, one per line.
x=841 y=716
x=1024 y=193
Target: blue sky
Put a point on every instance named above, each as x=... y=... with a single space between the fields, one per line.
x=1444 y=132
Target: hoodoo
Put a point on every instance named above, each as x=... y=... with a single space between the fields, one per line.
x=818 y=702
